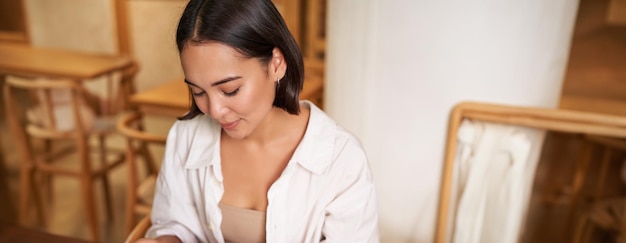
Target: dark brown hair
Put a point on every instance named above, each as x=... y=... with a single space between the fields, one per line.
x=253 y=28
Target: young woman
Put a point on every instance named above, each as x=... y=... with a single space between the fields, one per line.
x=250 y=162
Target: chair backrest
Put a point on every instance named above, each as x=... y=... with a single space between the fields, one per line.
x=139 y=231
x=127 y=87
x=48 y=108
x=140 y=189
x=46 y=111
x=455 y=181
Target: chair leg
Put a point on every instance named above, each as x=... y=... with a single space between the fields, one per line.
x=26 y=174
x=604 y=169
x=623 y=223
x=131 y=198
x=583 y=231
x=28 y=188
x=48 y=180
x=43 y=186
x=580 y=177
x=37 y=196
x=131 y=192
x=145 y=152
x=105 y=178
x=90 y=206
x=7 y=206
x=149 y=160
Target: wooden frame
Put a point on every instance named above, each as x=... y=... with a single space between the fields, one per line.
x=22 y=36
x=315 y=30
x=139 y=230
x=550 y=119
x=122 y=25
x=291 y=12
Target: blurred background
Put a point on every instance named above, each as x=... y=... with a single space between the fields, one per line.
x=389 y=71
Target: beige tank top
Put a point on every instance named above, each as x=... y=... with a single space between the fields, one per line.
x=242 y=225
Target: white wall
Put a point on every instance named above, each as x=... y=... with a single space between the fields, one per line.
x=72 y=24
x=395 y=68
x=89 y=26
x=153 y=37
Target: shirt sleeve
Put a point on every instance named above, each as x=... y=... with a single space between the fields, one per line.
x=173 y=211
x=352 y=216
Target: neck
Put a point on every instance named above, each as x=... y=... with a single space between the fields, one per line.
x=272 y=129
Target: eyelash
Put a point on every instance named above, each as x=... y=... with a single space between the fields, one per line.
x=231 y=93
x=198 y=94
x=228 y=94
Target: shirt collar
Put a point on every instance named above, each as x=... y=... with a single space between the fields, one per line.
x=204 y=143
x=314 y=152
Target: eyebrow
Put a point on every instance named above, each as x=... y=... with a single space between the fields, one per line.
x=226 y=80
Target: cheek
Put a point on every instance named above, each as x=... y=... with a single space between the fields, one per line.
x=262 y=95
x=245 y=102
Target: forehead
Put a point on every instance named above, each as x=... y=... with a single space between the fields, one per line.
x=208 y=52
x=213 y=60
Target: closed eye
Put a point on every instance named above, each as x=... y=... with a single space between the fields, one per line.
x=233 y=93
x=197 y=94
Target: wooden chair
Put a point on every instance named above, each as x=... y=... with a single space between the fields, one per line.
x=606 y=213
x=140 y=189
x=548 y=119
x=139 y=231
x=7 y=206
x=56 y=113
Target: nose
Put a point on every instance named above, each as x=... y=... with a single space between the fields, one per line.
x=217 y=108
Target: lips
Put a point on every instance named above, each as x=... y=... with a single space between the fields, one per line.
x=230 y=125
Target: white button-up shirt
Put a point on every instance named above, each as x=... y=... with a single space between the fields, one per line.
x=324 y=194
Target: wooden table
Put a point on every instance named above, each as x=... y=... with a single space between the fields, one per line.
x=169 y=99
x=172 y=98
x=25 y=60
x=19 y=234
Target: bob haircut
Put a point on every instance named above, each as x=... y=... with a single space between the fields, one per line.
x=253 y=28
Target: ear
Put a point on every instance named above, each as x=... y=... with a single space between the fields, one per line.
x=278 y=65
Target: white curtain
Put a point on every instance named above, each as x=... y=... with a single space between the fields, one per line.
x=494 y=173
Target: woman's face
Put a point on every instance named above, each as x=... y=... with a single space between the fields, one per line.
x=237 y=92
